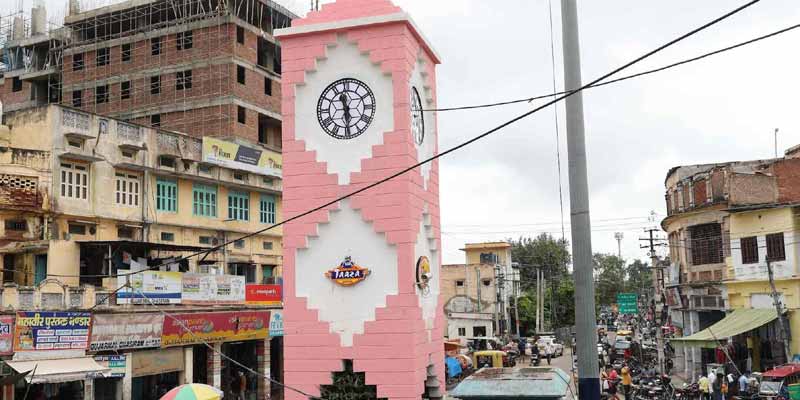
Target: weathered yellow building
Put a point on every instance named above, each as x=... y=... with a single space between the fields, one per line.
x=87 y=200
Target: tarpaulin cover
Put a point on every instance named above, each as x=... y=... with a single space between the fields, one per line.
x=739 y=321
x=453 y=367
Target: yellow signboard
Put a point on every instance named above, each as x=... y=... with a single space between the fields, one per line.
x=236 y=156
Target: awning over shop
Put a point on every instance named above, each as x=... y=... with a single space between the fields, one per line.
x=55 y=371
x=738 y=322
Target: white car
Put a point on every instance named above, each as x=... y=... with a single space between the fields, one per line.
x=558 y=348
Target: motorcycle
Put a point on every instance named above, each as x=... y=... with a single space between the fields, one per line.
x=535 y=360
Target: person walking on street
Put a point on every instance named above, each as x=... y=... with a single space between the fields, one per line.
x=743 y=382
x=521 y=347
x=705 y=388
x=627 y=381
x=548 y=348
x=716 y=388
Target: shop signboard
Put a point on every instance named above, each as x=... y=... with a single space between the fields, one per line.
x=213 y=289
x=236 y=156
x=45 y=330
x=154 y=362
x=158 y=286
x=276 y=323
x=112 y=332
x=6 y=335
x=628 y=303
x=264 y=295
x=115 y=363
x=226 y=326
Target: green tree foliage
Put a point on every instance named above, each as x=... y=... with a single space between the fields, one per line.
x=639 y=278
x=544 y=250
x=609 y=271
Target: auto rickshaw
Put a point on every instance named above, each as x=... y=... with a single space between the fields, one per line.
x=492 y=359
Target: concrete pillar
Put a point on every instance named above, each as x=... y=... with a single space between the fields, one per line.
x=215 y=366
x=127 y=380
x=188 y=365
x=264 y=356
x=88 y=389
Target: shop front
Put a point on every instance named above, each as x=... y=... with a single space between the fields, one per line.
x=155 y=372
x=746 y=339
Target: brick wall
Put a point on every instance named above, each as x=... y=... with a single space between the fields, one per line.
x=11 y=98
x=787 y=172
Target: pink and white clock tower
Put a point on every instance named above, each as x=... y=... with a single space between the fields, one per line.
x=361 y=278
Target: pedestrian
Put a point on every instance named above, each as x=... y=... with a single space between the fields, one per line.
x=705 y=387
x=242 y=381
x=743 y=382
x=716 y=387
x=521 y=347
x=627 y=381
x=548 y=348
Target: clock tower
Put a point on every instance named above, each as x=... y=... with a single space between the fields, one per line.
x=361 y=278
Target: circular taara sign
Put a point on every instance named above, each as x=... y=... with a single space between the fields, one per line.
x=347 y=273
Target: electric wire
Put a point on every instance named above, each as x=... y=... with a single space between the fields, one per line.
x=624 y=78
x=436 y=156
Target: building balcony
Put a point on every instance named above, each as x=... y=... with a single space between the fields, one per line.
x=701 y=303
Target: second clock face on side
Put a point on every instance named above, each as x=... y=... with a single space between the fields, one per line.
x=417 y=117
x=346 y=108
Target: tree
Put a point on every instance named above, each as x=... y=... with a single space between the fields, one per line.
x=639 y=277
x=545 y=251
x=609 y=278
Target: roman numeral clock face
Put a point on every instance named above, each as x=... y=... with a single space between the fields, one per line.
x=346 y=108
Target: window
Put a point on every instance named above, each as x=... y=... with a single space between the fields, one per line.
x=125 y=52
x=487 y=282
x=155 y=121
x=239 y=35
x=208 y=240
x=77 y=98
x=101 y=94
x=478 y=331
x=77 y=62
x=74 y=181
x=706 y=244
x=127 y=192
x=183 y=80
x=204 y=200
x=749 y=250
x=76 y=229
x=204 y=169
x=155 y=84
x=77 y=143
x=248 y=271
x=459 y=283
x=166 y=195
x=268 y=86
x=776 y=251
x=240 y=74
x=102 y=57
x=125 y=232
x=239 y=206
x=155 y=46
x=239 y=244
x=167 y=237
x=125 y=90
x=267 y=209
x=128 y=154
x=239 y=176
x=241 y=115
x=184 y=40
x=462 y=331
x=16 y=225
x=267 y=274
x=166 y=161
x=267 y=245
x=16 y=84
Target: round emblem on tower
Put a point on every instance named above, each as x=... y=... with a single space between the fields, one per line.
x=417 y=118
x=346 y=108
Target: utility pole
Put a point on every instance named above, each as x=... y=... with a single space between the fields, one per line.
x=657 y=294
x=585 y=318
x=779 y=309
x=776 y=142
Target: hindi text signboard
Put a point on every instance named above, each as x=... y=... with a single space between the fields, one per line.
x=158 y=286
x=264 y=295
x=46 y=330
x=214 y=327
x=213 y=289
x=628 y=303
x=112 y=332
x=6 y=335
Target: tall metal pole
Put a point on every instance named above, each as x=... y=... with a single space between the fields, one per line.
x=778 y=307
x=585 y=318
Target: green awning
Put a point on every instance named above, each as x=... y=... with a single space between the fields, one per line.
x=739 y=321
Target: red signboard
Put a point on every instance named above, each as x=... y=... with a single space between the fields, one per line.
x=265 y=295
x=181 y=329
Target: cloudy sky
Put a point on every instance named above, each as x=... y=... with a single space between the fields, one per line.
x=719 y=109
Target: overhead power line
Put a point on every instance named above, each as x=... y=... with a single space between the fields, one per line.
x=624 y=78
x=434 y=157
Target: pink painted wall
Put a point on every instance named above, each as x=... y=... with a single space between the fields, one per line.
x=396 y=349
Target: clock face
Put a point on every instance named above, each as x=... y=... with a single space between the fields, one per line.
x=417 y=118
x=346 y=108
